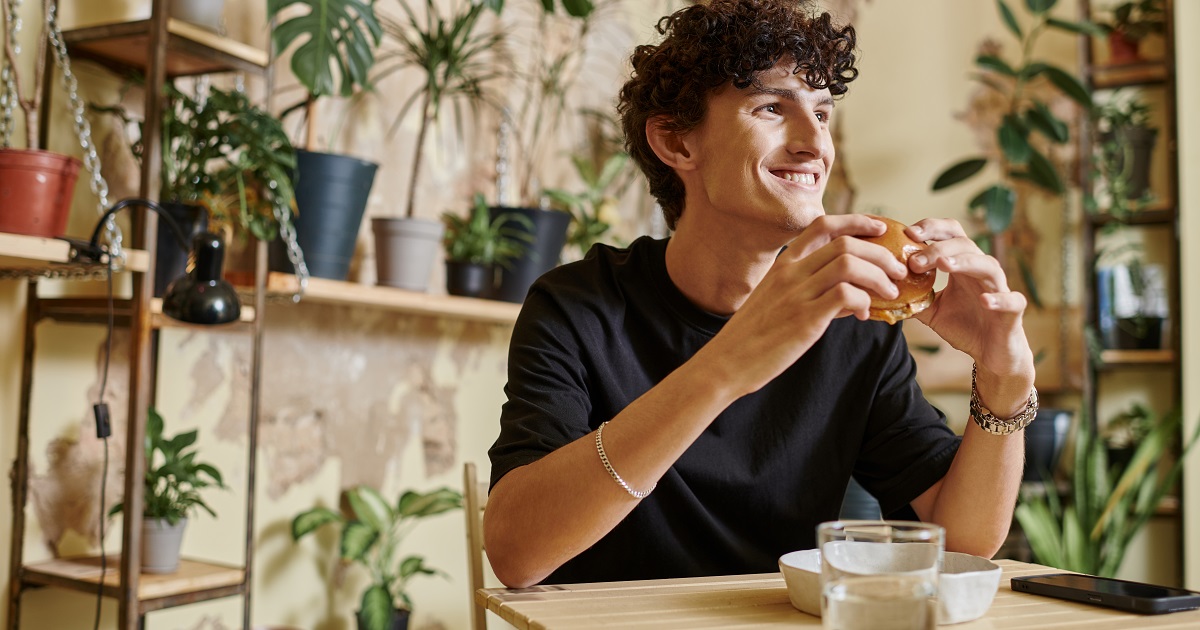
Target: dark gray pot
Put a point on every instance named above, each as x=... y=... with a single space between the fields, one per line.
x=1044 y=440
x=549 y=234
x=1139 y=148
x=331 y=196
x=170 y=257
x=470 y=279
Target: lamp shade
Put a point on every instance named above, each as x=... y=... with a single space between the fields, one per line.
x=203 y=296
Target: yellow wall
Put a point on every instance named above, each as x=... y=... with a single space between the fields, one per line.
x=900 y=132
x=1187 y=20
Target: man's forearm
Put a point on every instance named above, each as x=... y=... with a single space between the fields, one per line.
x=975 y=500
x=545 y=513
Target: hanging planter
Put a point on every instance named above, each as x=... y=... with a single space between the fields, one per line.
x=35 y=191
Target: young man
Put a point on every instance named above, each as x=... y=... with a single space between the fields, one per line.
x=697 y=405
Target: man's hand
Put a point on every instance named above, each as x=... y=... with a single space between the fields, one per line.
x=824 y=274
x=976 y=312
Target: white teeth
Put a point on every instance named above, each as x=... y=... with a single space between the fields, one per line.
x=799 y=178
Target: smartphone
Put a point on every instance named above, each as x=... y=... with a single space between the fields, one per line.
x=1120 y=594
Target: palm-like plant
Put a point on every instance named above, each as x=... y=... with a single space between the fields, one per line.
x=593 y=208
x=1109 y=505
x=372 y=536
x=1026 y=128
x=174 y=478
x=452 y=58
x=482 y=239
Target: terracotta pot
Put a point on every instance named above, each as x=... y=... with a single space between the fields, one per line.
x=1122 y=49
x=35 y=191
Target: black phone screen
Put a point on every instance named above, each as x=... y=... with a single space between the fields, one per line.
x=1122 y=594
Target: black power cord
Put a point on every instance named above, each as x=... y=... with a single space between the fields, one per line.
x=92 y=251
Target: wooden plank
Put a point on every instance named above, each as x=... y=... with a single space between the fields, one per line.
x=1111 y=77
x=159 y=321
x=1147 y=358
x=761 y=601
x=18 y=251
x=193 y=50
x=323 y=291
x=83 y=574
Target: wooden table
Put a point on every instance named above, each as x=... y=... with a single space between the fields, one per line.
x=761 y=601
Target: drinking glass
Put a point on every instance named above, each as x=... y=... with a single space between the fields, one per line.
x=880 y=575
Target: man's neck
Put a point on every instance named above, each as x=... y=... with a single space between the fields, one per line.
x=718 y=269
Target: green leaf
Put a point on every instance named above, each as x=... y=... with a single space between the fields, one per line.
x=1082 y=28
x=413 y=565
x=1041 y=118
x=357 y=539
x=413 y=504
x=1013 y=140
x=995 y=64
x=375 y=611
x=1069 y=85
x=612 y=167
x=959 y=172
x=306 y=522
x=333 y=36
x=1040 y=6
x=1010 y=20
x=370 y=507
x=578 y=8
x=1042 y=173
x=548 y=6
x=997 y=202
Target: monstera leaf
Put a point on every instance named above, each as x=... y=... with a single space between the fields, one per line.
x=335 y=33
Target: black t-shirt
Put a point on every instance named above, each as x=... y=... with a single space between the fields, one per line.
x=595 y=335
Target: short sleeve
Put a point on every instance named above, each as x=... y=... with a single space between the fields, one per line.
x=907 y=446
x=547 y=403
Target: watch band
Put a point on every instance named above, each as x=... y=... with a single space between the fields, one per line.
x=998 y=426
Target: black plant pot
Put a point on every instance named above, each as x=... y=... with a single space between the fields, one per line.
x=470 y=279
x=399 y=620
x=170 y=258
x=331 y=196
x=1044 y=440
x=1139 y=333
x=1139 y=147
x=549 y=235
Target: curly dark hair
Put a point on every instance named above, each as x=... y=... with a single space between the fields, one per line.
x=706 y=46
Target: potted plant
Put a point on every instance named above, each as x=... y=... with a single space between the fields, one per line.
x=1108 y=505
x=450 y=57
x=226 y=162
x=173 y=484
x=331 y=189
x=545 y=76
x=371 y=537
x=1121 y=162
x=36 y=185
x=593 y=211
x=476 y=244
x=1130 y=23
x=1024 y=135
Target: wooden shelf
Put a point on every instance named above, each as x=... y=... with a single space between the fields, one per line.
x=29 y=256
x=158 y=320
x=1145 y=73
x=1154 y=214
x=324 y=291
x=1137 y=358
x=191 y=50
x=194 y=581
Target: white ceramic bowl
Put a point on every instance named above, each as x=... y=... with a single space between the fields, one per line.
x=966 y=587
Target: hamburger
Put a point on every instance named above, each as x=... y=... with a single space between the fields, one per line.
x=916 y=289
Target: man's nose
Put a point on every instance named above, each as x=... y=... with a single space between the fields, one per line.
x=808 y=136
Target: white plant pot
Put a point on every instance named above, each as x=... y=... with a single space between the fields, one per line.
x=203 y=13
x=405 y=250
x=160 y=545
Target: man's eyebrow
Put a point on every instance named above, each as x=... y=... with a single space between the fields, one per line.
x=791 y=95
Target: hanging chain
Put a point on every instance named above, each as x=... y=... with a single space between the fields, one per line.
x=83 y=130
x=503 y=134
x=8 y=97
x=288 y=233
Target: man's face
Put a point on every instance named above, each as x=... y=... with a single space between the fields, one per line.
x=764 y=153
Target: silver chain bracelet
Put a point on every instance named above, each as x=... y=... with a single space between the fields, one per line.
x=637 y=494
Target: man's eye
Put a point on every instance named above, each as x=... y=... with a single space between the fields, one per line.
x=770 y=109
x=823 y=116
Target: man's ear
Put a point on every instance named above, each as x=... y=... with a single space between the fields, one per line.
x=669 y=146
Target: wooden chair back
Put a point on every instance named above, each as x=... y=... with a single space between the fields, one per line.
x=474 y=501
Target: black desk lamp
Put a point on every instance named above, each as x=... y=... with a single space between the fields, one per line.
x=200 y=297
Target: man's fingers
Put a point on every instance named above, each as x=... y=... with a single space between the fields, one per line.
x=827 y=228
x=1004 y=302
x=936 y=230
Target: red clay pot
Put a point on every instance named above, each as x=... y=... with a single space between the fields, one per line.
x=35 y=191
x=1122 y=49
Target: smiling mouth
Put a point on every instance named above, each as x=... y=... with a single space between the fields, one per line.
x=807 y=179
